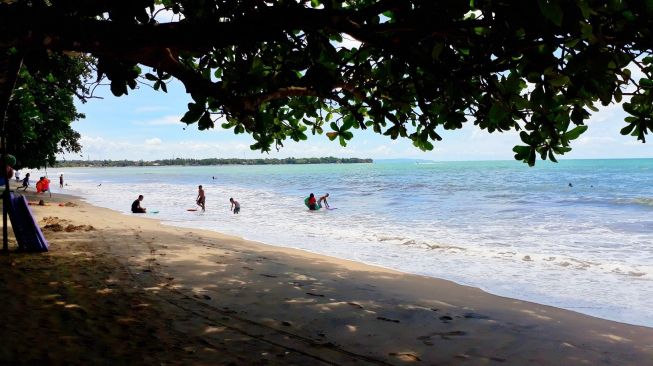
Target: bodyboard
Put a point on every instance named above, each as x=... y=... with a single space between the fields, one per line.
x=28 y=233
x=309 y=207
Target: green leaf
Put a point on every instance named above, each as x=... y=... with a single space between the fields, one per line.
x=343 y=142
x=575 y=132
x=205 y=122
x=628 y=129
x=151 y=77
x=551 y=10
x=560 y=81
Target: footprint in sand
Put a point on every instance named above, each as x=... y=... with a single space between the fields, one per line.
x=445 y=318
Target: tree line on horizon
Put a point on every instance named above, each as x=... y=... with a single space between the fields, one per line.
x=209 y=161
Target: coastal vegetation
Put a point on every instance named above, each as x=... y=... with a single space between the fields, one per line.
x=210 y=161
x=280 y=70
x=42 y=109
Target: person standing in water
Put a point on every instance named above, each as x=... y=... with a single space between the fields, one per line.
x=201 y=199
x=235 y=206
x=323 y=199
x=61 y=181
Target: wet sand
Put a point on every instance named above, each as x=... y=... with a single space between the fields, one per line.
x=124 y=289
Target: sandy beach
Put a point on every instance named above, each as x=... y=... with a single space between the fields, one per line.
x=123 y=289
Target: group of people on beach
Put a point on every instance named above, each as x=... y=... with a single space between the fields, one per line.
x=42 y=186
x=312 y=203
x=200 y=201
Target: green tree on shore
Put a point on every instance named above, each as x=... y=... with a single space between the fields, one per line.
x=42 y=109
x=281 y=69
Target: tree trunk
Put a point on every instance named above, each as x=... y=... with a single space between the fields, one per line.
x=10 y=62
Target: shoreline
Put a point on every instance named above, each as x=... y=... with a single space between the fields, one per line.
x=310 y=305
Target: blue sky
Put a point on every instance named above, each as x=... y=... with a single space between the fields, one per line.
x=145 y=125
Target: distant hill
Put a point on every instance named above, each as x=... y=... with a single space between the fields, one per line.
x=210 y=161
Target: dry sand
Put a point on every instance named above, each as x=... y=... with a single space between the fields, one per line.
x=123 y=289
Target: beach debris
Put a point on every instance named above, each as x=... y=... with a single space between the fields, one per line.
x=407 y=357
x=445 y=318
x=388 y=319
x=313 y=294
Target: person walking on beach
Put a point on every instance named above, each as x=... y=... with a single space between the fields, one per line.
x=61 y=181
x=323 y=199
x=136 y=205
x=235 y=206
x=201 y=199
x=25 y=183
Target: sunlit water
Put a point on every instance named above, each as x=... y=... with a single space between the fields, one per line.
x=501 y=226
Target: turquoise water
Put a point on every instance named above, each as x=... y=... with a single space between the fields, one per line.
x=501 y=226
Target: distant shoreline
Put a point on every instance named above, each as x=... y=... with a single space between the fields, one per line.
x=208 y=162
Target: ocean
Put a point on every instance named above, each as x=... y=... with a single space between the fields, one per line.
x=501 y=226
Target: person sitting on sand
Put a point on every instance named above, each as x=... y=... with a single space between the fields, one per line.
x=201 y=199
x=323 y=199
x=136 y=205
x=312 y=202
x=235 y=206
x=25 y=183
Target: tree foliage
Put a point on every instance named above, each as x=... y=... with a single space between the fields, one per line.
x=281 y=69
x=42 y=108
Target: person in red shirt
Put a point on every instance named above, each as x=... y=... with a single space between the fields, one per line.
x=312 y=202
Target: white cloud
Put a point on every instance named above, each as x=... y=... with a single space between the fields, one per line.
x=153 y=141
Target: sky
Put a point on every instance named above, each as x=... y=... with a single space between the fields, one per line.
x=144 y=125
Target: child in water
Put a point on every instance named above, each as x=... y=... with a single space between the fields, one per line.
x=235 y=206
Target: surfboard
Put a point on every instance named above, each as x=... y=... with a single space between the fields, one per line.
x=191 y=209
x=153 y=212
